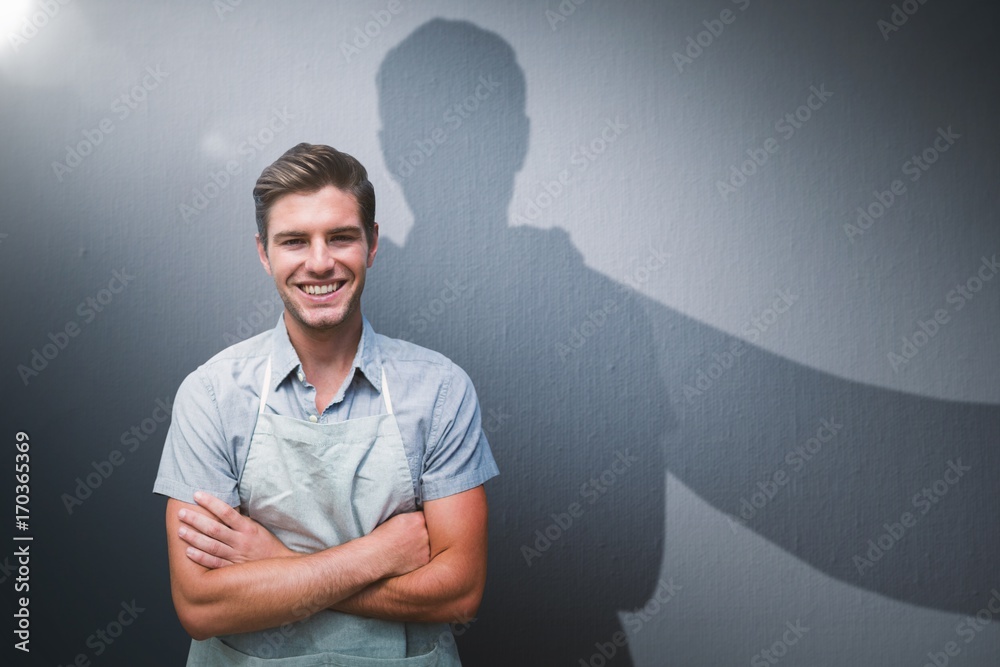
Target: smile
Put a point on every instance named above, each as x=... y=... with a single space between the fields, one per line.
x=320 y=290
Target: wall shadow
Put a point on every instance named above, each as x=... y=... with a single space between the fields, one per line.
x=590 y=391
x=562 y=360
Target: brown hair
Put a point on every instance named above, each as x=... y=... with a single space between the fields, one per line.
x=308 y=168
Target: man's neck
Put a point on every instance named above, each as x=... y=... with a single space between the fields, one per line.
x=326 y=356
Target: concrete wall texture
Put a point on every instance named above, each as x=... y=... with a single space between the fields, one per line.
x=724 y=274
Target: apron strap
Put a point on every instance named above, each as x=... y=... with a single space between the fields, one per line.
x=266 y=388
x=385 y=392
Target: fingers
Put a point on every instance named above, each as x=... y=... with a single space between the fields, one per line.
x=204 y=543
x=407 y=539
x=206 y=525
x=205 y=559
x=226 y=514
x=414 y=518
x=218 y=530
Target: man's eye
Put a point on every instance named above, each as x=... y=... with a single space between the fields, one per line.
x=292 y=242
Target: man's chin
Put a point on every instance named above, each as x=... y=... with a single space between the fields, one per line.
x=308 y=318
x=322 y=324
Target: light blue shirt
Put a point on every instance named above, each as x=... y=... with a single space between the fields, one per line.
x=216 y=407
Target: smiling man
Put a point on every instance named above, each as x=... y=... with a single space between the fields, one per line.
x=359 y=528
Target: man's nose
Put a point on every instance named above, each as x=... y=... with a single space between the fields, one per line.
x=321 y=259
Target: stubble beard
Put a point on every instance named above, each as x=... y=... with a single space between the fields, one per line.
x=325 y=321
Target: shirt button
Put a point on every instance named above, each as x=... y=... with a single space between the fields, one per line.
x=313 y=419
x=301 y=376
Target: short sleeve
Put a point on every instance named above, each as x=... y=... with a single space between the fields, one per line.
x=196 y=455
x=458 y=456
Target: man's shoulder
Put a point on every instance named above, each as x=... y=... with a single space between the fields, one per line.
x=258 y=346
x=229 y=364
x=417 y=360
x=399 y=351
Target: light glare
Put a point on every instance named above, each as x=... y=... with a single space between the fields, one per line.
x=12 y=16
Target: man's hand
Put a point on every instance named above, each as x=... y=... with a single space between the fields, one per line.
x=227 y=537
x=450 y=587
x=407 y=545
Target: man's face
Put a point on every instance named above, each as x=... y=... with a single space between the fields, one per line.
x=317 y=254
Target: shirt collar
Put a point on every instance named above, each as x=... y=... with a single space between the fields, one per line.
x=369 y=357
x=285 y=360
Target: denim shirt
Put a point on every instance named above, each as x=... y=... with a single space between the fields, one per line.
x=216 y=408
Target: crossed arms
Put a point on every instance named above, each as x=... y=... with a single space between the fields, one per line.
x=228 y=574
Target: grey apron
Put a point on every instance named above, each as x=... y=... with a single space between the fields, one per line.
x=316 y=486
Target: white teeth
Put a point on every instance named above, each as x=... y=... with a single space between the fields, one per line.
x=317 y=290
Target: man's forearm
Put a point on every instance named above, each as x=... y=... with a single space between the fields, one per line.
x=268 y=593
x=449 y=587
x=404 y=570
x=218 y=589
x=440 y=591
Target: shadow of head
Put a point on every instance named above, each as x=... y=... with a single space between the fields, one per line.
x=452 y=104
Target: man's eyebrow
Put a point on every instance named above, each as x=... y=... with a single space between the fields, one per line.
x=290 y=233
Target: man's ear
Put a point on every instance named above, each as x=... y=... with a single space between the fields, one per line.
x=262 y=254
x=374 y=246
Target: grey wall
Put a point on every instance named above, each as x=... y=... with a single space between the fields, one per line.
x=568 y=243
